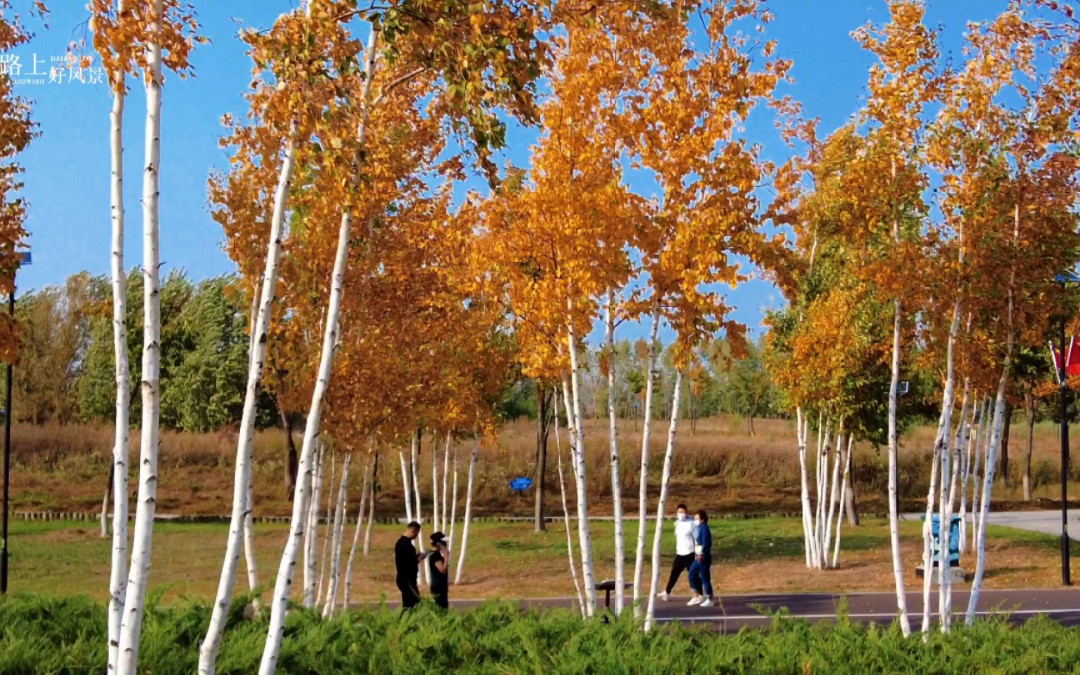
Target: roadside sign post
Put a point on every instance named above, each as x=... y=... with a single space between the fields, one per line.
x=24 y=259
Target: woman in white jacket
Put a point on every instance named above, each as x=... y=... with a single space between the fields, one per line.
x=684 y=549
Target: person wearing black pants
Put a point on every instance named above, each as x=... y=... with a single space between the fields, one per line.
x=684 y=549
x=439 y=562
x=407 y=561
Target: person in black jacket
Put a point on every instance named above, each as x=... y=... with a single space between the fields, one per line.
x=439 y=562
x=407 y=560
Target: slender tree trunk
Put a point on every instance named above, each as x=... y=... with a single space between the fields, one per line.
x=980 y=443
x=894 y=516
x=1004 y=451
x=435 y=527
x=801 y=431
x=1029 y=412
x=988 y=485
x=951 y=468
x=105 y=503
x=468 y=510
x=249 y=546
x=665 y=477
x=328 y=533
x=283 y=584
x=940 y=457
x=843 y=497
x=446 y=483
x=834 y=493
x=292 y=464
x=998 y=438
x=578 y=442
x=335 y=546
x=408 y=489
x=643 y=474
x=849 y=491
x=453 y=504
x=414 y=458
x=616 y=478
x=565 y=510
x=311 y=535
x=241 y=510
x=969 y=442
x=355 y=541
x=121 y=452
x=371 y=504
x=541 y=453
x=135 y=593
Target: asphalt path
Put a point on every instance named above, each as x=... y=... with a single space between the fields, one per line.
x=735 y=612
x=1046 y=522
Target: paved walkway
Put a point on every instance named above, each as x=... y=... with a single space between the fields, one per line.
x=753 y=611
x=1046 y=522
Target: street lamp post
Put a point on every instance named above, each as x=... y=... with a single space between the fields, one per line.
x=24 y=259
x=1063 y=383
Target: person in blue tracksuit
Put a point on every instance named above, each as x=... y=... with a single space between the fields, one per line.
x=700 y=578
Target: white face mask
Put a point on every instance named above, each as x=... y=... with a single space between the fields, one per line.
x=681 y=517
x=696 y=521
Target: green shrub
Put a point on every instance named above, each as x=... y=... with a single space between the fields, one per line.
x=42 y=635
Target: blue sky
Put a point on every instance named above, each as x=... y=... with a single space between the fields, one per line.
x=67 y=167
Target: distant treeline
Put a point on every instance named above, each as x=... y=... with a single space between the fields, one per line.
x=66 y=370
x=66 y=367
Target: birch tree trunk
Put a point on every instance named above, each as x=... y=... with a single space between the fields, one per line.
x=135 y=593
x=435 y=526
x=928 y=535
x=249 y=546
x=355 y=541
x=335 y=546
x=578 y=444
x=643 y=489
x=834 y=493
x=843 y=497
x=980 y=440
x=801 y=430
x=822 y=490
x=241 y=510
x=327 y=534
x=311 y=535
x=565 y=510
x=407 y=488
x=894 y=496
x=468 y=511
x=665 y=477
x=988 y=485
x=371 y=504
x=283 y=584
x=616 y=479
x=122 y=428
x=991 y=455
x=945 y=599
x=425 y=569
x=453 y=504
x=105 y=529
x=445 y=482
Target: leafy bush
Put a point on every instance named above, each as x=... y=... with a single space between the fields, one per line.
x=41 y=635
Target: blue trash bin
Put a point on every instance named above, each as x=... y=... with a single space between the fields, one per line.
x=954 y=539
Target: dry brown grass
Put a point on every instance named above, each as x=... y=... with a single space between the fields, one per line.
x=65 y=468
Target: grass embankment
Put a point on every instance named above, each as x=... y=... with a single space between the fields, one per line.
x=511 y=561
x=68 y=636
x=720 y=467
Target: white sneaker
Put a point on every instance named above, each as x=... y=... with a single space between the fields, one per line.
x=696 y=600
x=707 y=603
x=663 y=596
